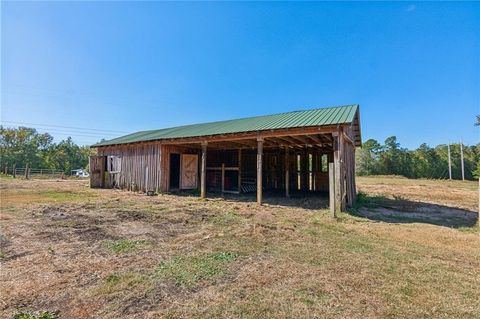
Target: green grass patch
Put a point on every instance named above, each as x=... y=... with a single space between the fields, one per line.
x=472 y=229
x=121 y=282
x=66 y=195
x=42 y=315
x=227 y=218
x=369 y=201
x=186 y=271
x=312 y=296
x=124 y=245
x=355 y=245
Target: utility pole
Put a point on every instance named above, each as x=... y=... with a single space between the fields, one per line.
x=449 y=164
x=461 y=161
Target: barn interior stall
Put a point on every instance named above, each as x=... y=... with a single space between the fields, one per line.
x=288 y=161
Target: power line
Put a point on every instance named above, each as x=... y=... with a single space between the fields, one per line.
x=68 y=127
x=93 y=137
x=82 y=134
x=51 y=130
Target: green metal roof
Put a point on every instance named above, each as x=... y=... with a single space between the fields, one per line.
x=306 y=118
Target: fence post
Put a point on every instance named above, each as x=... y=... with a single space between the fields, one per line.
x=14 y=172
x=26 y=171
x=6 y=170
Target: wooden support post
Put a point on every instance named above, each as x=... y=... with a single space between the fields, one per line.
x=203 y=174
x=336 y=161
x=259 y=170
x=343 y=190
x=146 y=180
x=331 y=188
x=26 y=171
x=239 y=171
x=304 y=170
x=287 y=172
x=14 y=171
x=314 y=165
x=6 y=170
x=223 y=177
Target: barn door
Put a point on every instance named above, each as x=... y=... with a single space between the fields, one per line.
x=189 y=171
x=97 y=171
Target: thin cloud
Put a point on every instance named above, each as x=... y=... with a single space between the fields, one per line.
x=411 y=8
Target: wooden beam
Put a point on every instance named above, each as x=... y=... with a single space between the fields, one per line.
x=287 y=172
x=316 y=139
x=304 y=170
x=300 y=139
x=336 y=160
x=223 y=177
x=343 y=193
x=331 y=188
x=348 y=139
x=240 y=136
x=239 y=171
x=259 y=170
x=203 y=176
x=291 y=142
x=285 y=140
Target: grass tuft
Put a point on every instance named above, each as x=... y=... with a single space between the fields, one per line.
x=186 y=271
x=369 y=201
x=124 y=245
x=227 y=218
x=122 y=282
x=43 y=315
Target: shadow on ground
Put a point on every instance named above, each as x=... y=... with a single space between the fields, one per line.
x=400 y=210
x=298 y=199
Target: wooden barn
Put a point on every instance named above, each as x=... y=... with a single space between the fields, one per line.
x=288 y=153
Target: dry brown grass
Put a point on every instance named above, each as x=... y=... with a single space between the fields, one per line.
x=460 y=194
x=86 y=253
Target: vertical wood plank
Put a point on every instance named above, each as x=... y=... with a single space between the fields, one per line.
x=223 y=177
x=337 y=185
x=331 y=188
x=259 y=170
x=239 y=171
x=203 y=177
x=287 y=172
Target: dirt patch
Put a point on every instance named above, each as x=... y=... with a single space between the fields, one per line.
x=97 y=254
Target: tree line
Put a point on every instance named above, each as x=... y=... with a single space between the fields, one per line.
x=23 y=145
x=390 y=158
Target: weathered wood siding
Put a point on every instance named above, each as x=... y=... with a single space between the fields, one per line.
x=140 y=166
x=97 y=171
x=165 y=164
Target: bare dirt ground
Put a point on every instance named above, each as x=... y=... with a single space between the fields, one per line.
x=410 y=249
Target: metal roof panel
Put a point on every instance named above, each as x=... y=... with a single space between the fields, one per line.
x=295 y=119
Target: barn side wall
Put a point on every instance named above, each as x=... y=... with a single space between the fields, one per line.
x=138 y=166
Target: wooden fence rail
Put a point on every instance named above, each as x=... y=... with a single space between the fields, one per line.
x=28 y=172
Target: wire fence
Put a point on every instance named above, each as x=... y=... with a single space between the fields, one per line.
x=43 y=173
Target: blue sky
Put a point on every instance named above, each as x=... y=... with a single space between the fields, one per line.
x=414 y=68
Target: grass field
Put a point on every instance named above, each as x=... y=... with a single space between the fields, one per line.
x=410 y=249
